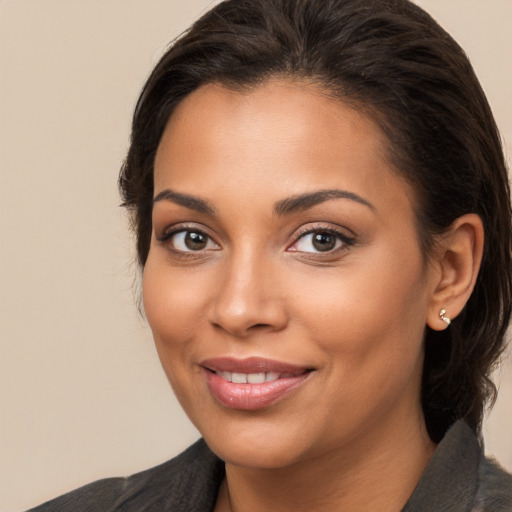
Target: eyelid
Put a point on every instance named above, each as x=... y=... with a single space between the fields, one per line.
x=341 y=233
x=170 y=231
x=347 y=240
x=313 y=227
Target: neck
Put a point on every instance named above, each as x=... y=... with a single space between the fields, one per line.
x=377 y=472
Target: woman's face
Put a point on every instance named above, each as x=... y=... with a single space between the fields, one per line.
x=285 y=286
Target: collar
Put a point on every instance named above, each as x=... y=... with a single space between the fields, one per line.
x=450 y=480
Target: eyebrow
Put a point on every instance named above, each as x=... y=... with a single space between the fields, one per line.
x=303 y=202
x=186 y=200
x=286 y=206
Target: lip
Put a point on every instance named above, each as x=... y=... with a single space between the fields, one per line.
x=250 y=397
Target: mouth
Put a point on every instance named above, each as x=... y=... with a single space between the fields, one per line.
x=252 y=383
x=253 y=378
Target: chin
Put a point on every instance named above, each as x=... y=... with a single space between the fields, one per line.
x=245 y=452
x=257 y=441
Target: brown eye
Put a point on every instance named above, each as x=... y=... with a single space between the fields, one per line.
x=195 y=241
x=189 y=240
x=318 y=241
x=324 y=241
x=321 y=241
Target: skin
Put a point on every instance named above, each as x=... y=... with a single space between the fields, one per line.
x=353 y=435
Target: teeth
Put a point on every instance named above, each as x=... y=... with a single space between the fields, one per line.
x=239 y=378
x=251 y=378
x=255 y=378
x=225 y=375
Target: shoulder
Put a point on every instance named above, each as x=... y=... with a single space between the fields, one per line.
x=90 y=497
x=188 y=482
x=459 y=478
x=495 y=489
x=484 y=479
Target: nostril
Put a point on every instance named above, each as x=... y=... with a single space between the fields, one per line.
x=242 y=317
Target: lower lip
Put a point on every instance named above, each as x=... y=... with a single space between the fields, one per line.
x=250 y=397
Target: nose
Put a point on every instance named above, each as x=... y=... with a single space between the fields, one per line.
x=248 y=299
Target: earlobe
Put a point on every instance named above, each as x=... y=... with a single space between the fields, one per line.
x=459 y=259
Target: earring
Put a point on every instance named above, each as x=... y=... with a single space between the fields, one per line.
x=445 y=319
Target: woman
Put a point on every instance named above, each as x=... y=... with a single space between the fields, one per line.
x=322 y=215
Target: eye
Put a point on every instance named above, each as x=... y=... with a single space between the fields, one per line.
x=190 y=240
x=321 y=241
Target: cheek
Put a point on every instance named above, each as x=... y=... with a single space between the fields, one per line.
x=174 y=302
x=173 y=308
x=369 y=320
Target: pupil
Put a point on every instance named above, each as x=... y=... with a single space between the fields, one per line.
x=195 y=241
x=324 y=241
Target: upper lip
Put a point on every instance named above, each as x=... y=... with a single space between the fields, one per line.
x=251 y=365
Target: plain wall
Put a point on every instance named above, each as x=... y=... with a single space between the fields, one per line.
x=82 y=395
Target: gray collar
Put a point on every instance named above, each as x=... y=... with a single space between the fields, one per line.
x=450 y=480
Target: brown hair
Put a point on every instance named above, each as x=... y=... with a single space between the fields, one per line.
x=396 y=63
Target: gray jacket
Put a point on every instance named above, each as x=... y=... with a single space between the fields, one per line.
x=458 y=478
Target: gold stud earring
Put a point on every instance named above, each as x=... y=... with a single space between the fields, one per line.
x=444 y=318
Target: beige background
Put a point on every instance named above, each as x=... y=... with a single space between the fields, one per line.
x=82 y=395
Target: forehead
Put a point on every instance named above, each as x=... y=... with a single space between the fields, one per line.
x=279 y=138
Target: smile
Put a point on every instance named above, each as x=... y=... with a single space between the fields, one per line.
x=251 y=378
x=253 y=383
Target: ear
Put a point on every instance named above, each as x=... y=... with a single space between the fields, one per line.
x=458 y=261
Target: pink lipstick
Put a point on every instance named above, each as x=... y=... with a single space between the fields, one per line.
x=252 y=383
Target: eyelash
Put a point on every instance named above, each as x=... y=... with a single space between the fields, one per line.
x=347 y=241
x=166 y=237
